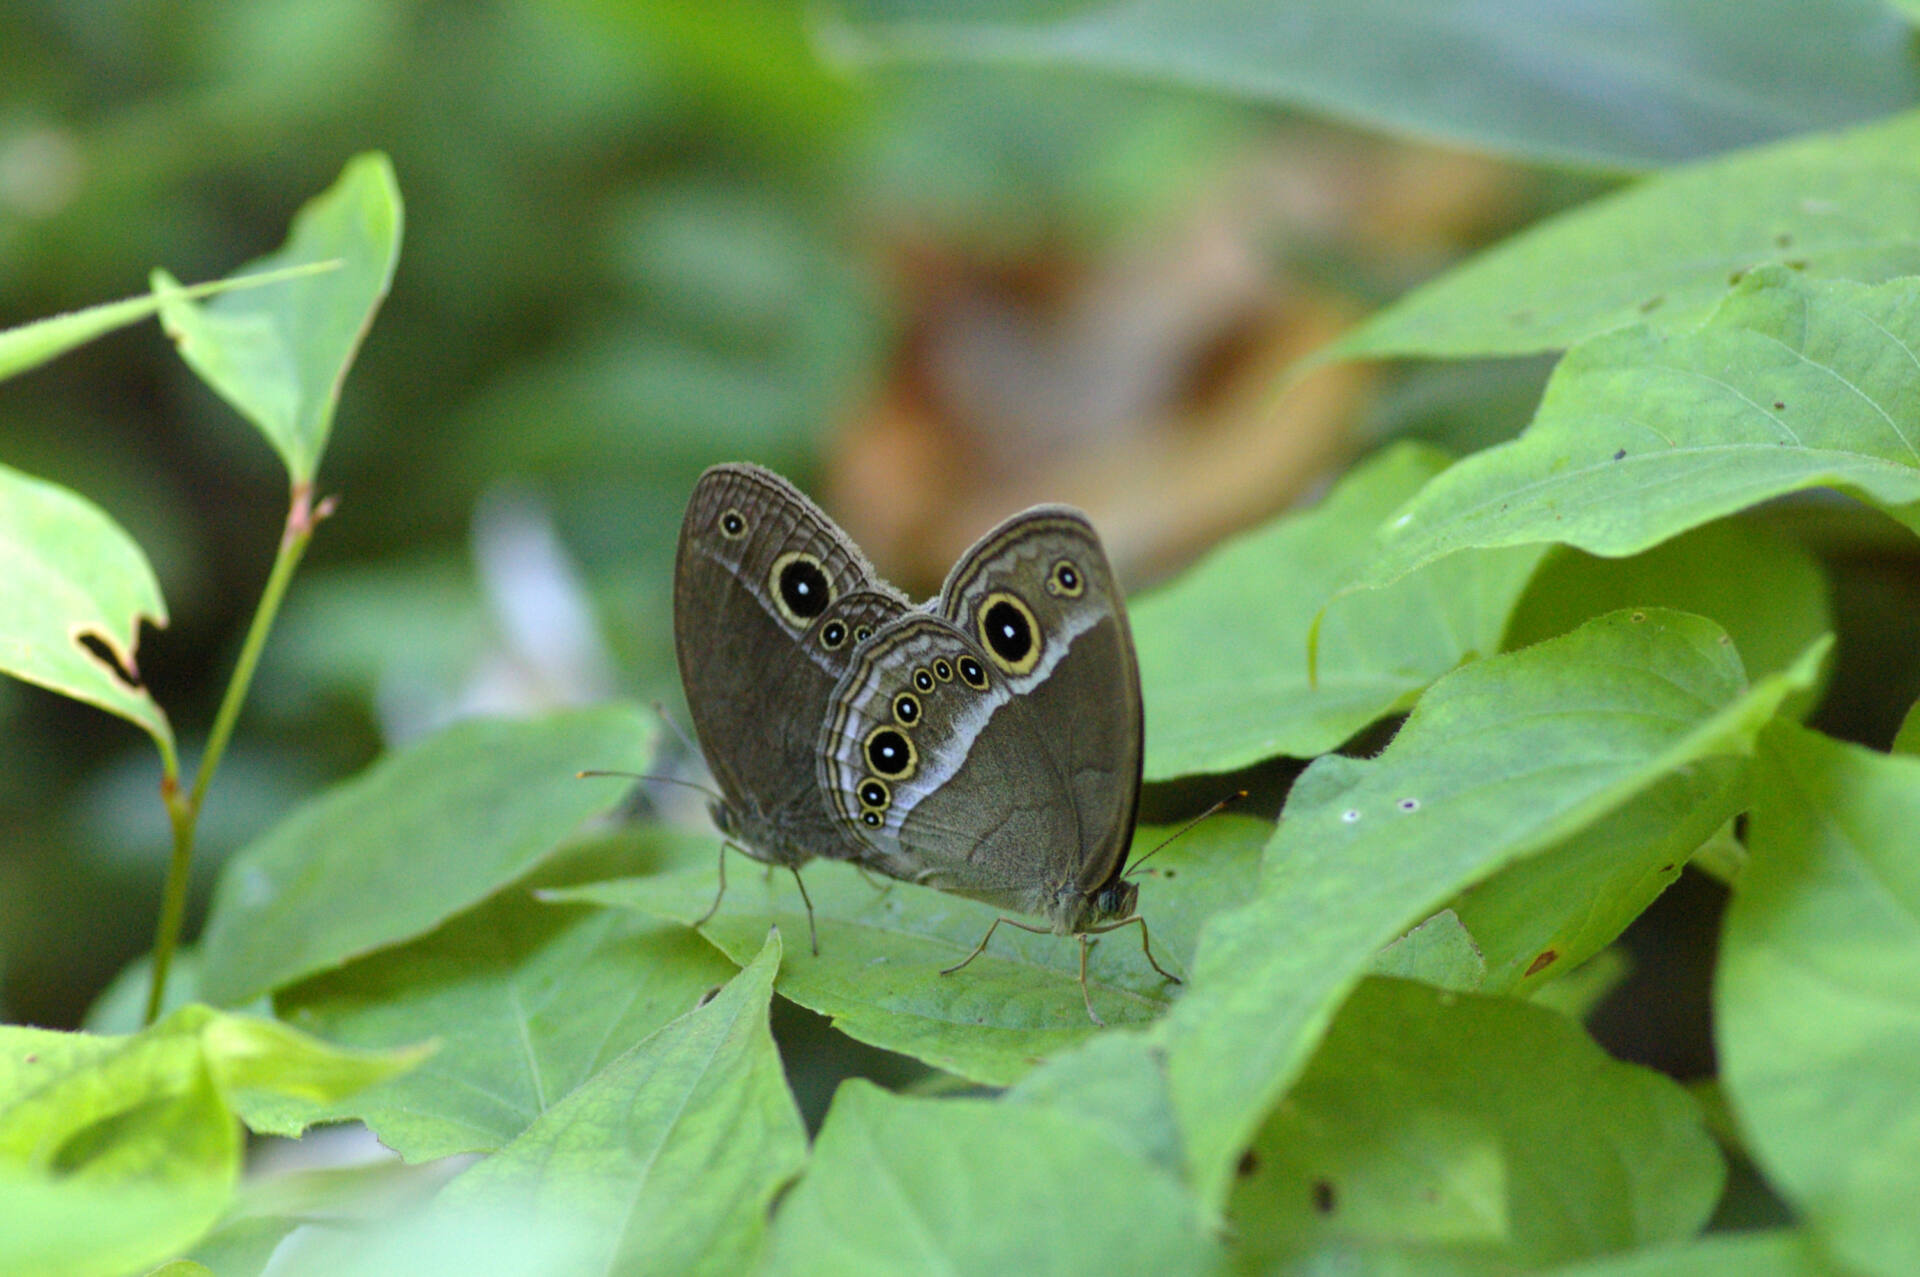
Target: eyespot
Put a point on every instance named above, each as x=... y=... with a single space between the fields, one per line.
x=1065 y=580
x=923 y=679
x=906 y=709
x=1009 y=632
x=733 y=525
x=833 y=634
x=861 y=633
x=871 y=818
x=971 y=673
x=874 y=794
x=800 y=587
x=890 y=752
x=943 y=670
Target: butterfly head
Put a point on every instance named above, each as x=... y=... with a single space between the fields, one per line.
x=1075 y=911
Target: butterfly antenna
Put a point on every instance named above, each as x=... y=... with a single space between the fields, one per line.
x=663 y=780
x=1181 y=832
x=678 y=730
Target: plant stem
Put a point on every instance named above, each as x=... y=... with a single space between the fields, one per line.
x=184 y=813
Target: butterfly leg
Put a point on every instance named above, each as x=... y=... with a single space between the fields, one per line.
x=1144 y=947
x=714 y=908
x=977 y=949
x=813 y=936
x=1086 y=995
x=880 y=885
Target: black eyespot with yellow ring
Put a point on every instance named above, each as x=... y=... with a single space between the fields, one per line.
x=923 y=679
x=1009 y=632
x=874 y=794
x=800 y=587
x=906 y=709
x=872 y=818
x=1065 y=580
x=733 y=524
x=890 y=752
x=833 y=635
x=972 y=673
x=943 y=670
x=861 y=633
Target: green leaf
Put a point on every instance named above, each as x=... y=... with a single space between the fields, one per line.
x=526 y=1001
x=1907 y=739
x=117 y=1152
x=1500 y=760
x=1839 y=206
x=1440 y=951
x=1817 y=997
x=1223 y=650
x=1481 y=1129
x=882 y=948
x=29 y=345
x=70 y=573
x=1709 y=571
x=972 y=1186
x=279 y=355
x=1767 y=1254
x=410 y=842
x=1116 y=1082
x=1640 y=436
x=1542 y=917
x=1629 y=86
x=667 y=1160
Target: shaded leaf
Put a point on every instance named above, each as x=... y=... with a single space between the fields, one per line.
x=1440 y=951
x=1500 y=760
x=877 y=975
x=1224 y=649
x=1817 y=996
x=526 y=1001
x=1487 y=1131
x=413 y=840
x=903 y=1185
x=1116 y=1082
x=666 y=1160
x=72 y=573
x=1792 y=384
x=1838 y=206
x=1762 y=1254
x=1632 y=85
x=280 y=354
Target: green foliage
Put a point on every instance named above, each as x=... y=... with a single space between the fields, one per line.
x=1388 y=1049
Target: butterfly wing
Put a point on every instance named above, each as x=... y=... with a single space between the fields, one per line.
x=1015 y=779
x=770 y=602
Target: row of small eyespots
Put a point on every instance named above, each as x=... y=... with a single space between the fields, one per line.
x=889 y=749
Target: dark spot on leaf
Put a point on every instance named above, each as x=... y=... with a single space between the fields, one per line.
x=1736 y=277
x=1546 y=959
x=1653 y=303
x=1779 y=405
x=1248 y=1164
x=98 y=649
x=1620 y=455
x=1796 y=263
x=1323 y=1196
x=1783 y=240
x=708 y=996
x=33 y=1059
x=1666 y=869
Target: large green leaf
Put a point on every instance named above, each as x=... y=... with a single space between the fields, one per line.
x=280 y=354
x=415 y=839
x=1792 y=384
x=1838 y=206
x=1771 y=1254
x=1484 y=1130
x=1631 y=84
x=1500 y=760
x=667 y=1160
x=1817 y=998
x=1224 y=649
x=526 y=1001
x=972 y=1186
x=29 y=345
x=117 y=1152
x=877 y=975
x=1709 y=571
x=68 y=572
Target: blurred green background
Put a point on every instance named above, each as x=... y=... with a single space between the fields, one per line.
x=643 y=238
